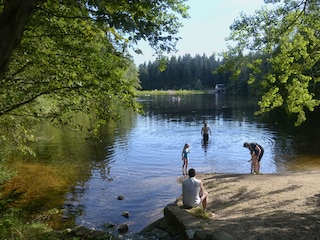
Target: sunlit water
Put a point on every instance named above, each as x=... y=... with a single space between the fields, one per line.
x=141 y=158
x=146 y=163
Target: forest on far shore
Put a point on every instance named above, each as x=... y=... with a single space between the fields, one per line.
x=199 y=72
x=184 y=72
x=275 y=56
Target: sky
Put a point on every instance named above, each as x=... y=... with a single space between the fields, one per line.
x=204 y=32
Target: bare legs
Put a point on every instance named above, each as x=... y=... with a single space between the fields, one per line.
x=258 y=166
x=255 y=164
x=185 y=167
x=204 y=200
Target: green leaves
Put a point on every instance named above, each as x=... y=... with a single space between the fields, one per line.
x=270 y=100
x=156 y=22
x=284 y=46
x=73 y=58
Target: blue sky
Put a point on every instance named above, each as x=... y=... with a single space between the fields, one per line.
x=206 y=29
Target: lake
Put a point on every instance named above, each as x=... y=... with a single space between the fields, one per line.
x=140 y=158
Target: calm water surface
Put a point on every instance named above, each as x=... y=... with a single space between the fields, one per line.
x=145 y=163
x=142 y=161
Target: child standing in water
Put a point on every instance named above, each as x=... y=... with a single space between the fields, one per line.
x=185 y=158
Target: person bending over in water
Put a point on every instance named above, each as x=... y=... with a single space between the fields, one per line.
x=185 y=158
x=256 y=151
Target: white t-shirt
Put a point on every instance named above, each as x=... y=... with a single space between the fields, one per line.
x=190 y=192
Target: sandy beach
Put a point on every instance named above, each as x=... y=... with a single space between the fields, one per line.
x=265 y=206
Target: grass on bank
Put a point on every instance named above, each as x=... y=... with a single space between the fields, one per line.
x=199 y=212
x=14 y=224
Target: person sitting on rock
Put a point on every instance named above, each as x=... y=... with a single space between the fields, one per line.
x=193 y=192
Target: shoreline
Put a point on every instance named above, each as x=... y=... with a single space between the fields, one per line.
x=266 y=206
x=282 y=205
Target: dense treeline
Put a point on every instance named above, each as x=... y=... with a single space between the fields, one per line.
x=201 y=73
x=184 y=72
x=275 y=56
x=198 y=72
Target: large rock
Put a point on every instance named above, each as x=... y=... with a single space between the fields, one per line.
x=185 y=223
x=190 y=227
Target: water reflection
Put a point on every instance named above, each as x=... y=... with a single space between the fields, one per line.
x=146 y=156
x=204 y=144
x=141 y=157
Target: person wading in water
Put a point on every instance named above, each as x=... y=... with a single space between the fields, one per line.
x=185 y=158
x=205 y=132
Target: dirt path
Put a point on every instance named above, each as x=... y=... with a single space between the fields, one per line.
x=269 y=206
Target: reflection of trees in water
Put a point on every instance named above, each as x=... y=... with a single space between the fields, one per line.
x=78 y=159
x=284 y=142
x=104 y=170
x=64 y=163
x=200 y=107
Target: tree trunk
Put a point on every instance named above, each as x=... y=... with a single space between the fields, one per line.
x=13 y=20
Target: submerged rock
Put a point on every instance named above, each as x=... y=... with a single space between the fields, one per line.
x=109 y=225
x=125 y=214
x=123 y=228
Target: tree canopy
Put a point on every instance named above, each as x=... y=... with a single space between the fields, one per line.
x=281 y=45
x=60 y=58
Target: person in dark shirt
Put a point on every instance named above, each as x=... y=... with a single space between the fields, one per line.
x=256 y=151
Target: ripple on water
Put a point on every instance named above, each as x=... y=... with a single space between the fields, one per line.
x=144 y=165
